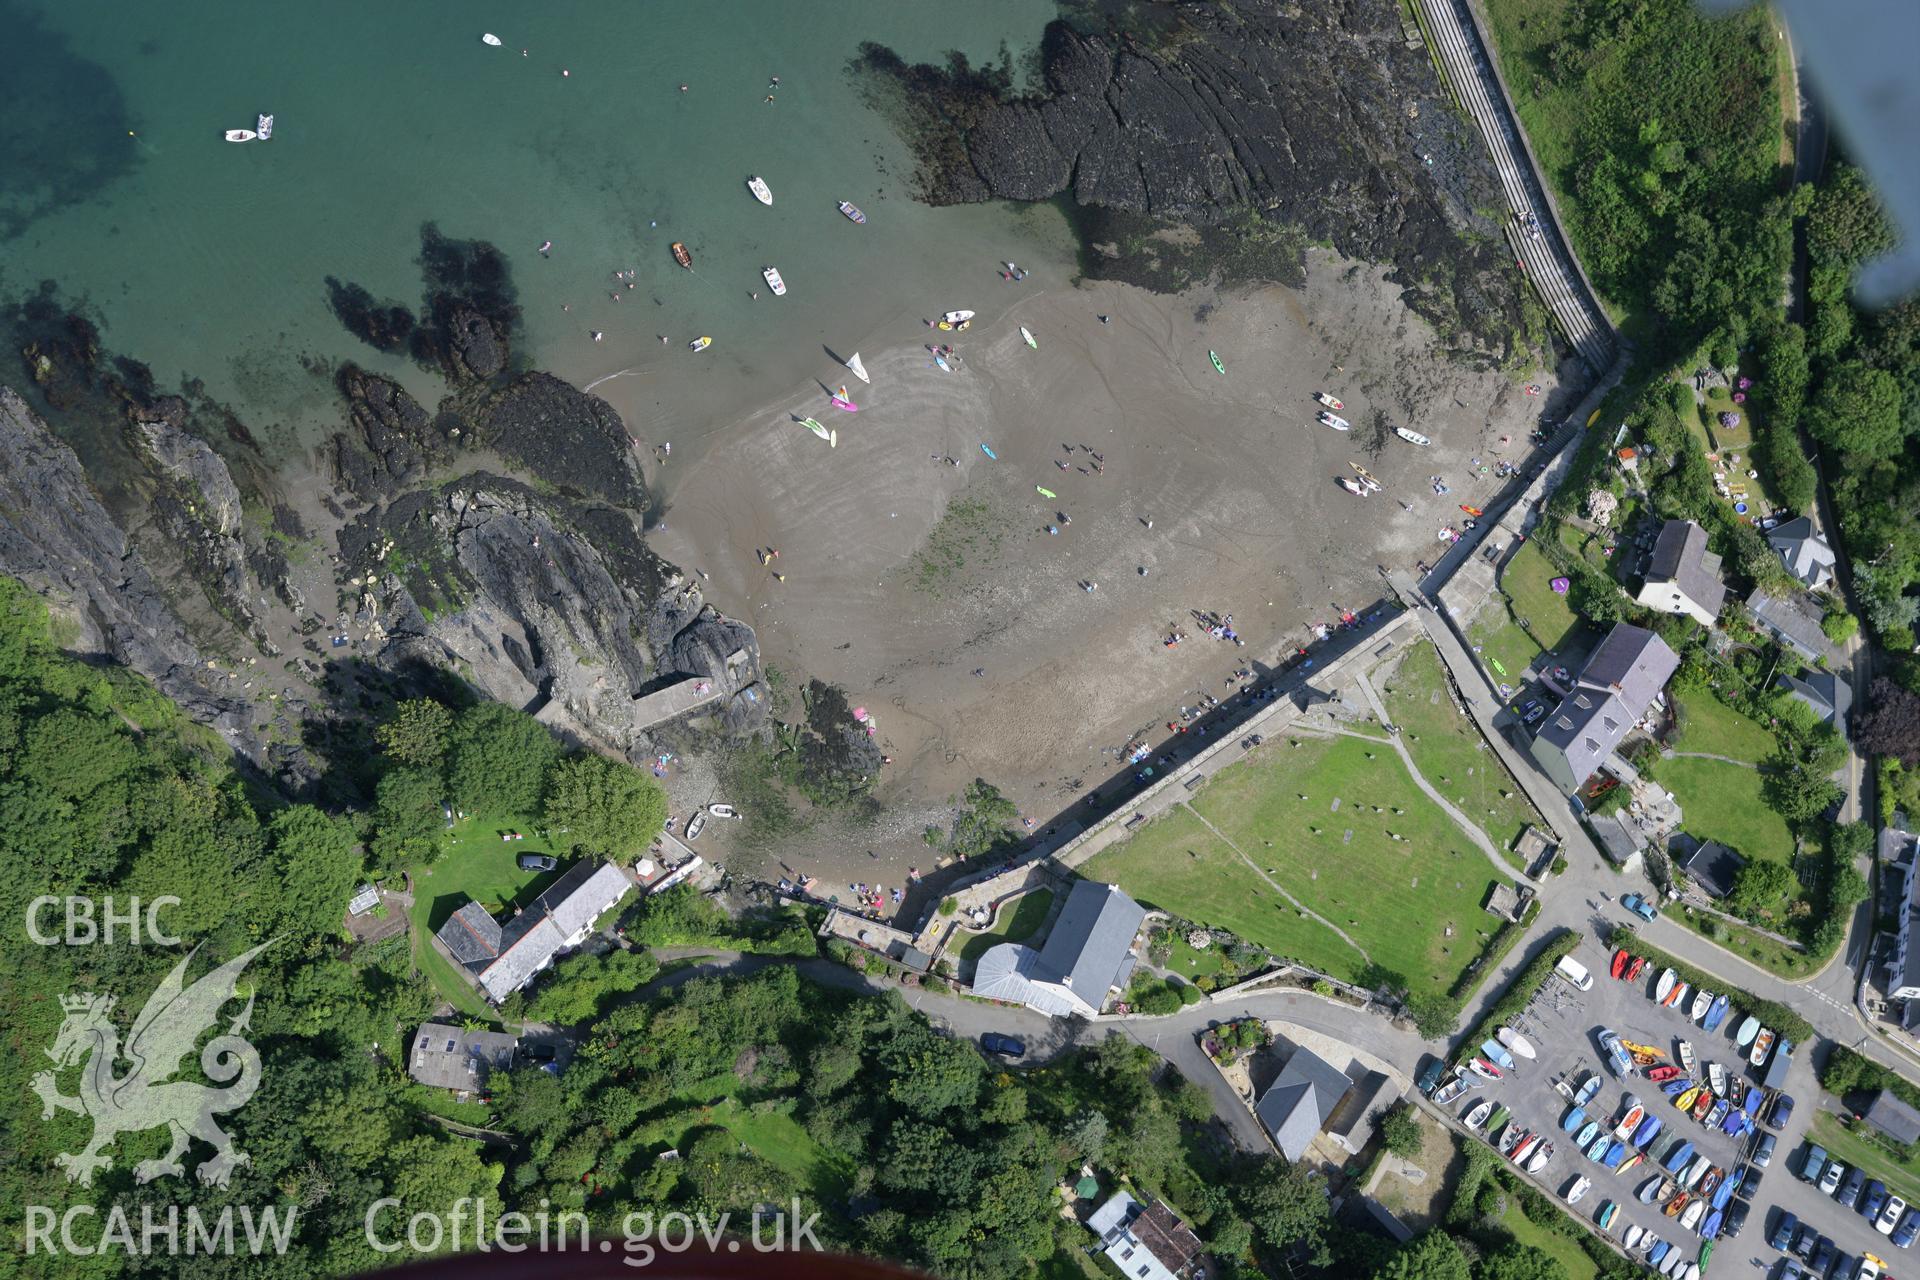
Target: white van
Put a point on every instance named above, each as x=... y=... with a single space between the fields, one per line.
x=1575 y=972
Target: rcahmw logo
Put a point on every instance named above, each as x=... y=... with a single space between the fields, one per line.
x=146 y=1096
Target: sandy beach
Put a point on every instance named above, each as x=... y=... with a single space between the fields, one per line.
x=1238 y=481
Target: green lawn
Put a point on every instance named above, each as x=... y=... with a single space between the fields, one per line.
x=480 y=865
x=774 y=1137
x=1549 y=622
x=1723 y=802
x=1563 y=1248
x=1190 y=964
x=1450 y=752
x=1714 y=727
x=1901 y=1176
x=1393 y=897
x=1018 y=921
x=1750 y=945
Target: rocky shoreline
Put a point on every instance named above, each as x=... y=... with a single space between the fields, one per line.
x=175 y=551
x=1221 y=141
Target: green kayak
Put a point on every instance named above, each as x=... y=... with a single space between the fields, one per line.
x=1218 y=367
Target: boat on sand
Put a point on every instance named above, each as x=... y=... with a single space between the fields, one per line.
x=1328 y=401
x=1333 y=420
x=1412 y=437
x=758 y=186
x=1027 y=334
x=681 y=256
x=700 y=344
x=774 y=282
x=853 y=212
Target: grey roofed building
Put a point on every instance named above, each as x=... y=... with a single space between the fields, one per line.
x=1088 y=951
x=445 y=1057
x=1793 y=620
x=1625 y=673
x=1894 y=1117
x=1827 y=693
x=1713 y=866
x=1146 y=1242
x=1903 y=966
x=1298 y=1104
x=1806 y=553
x=1683 y=577
x=502 y=957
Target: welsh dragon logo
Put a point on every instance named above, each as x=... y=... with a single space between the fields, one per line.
x=145 y=1097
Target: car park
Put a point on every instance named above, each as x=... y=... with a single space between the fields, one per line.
x=1822 y=1256
x=1639 y=906
x=1763 y=1149
x=1750 y=1185
x=1849 y=1193
x=1870 y=1268
x=1736 y=1219
x=1876 y=1200
x=1812 y=1163
x=1805 y=1242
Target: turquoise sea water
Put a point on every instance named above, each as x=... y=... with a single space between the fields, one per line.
x=208 y=259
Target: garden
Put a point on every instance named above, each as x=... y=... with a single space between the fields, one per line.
x=1533 y=618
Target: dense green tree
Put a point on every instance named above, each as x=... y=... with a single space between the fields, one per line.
x=1287 y=1206
x=597 y=805
x=579 y=986
x=1400 y=1129
x=1858 y=411
x=1519 y=1262
x=1430 y=1256
x=499 y=760
x=417 y=734
x=1845 y=225
x=317 y=864
x=1761 y=886
x=1890 y=725
x=984 y=824
x=409 y=824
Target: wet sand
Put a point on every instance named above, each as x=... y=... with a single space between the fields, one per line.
x=1237 y=479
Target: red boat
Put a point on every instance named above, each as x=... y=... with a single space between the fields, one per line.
x=1620 y=959
x=1662 y=1073
x=1472 y=511
x=1639 y=964
x=681 y=256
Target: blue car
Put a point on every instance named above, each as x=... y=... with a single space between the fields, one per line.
x=1783 y=1231
x=1639 y=906
x=1007 y=1046
x=1909 y=1227
x=1876 y=1200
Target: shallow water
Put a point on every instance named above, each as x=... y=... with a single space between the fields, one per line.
x=208 y=259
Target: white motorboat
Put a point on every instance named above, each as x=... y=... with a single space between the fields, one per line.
x=1334 y=420
x=1516 y=1042
x=241 y=135
x=696 y=825
x=1412 y=437
x=264 y=127
x=859 y=370
x=758 y=186
x=774 y=282
x=1328 y=401
x=490 y=38
x=1353 y=486
x=1538 y=1160
x=956 y=317
x=723 y=811
x=1579 y=1188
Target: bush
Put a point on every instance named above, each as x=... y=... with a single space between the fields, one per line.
x=949 y=905
x=1521 y=990
x=1400 y=1129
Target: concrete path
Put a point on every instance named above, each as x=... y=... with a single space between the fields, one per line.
x=1706 y=755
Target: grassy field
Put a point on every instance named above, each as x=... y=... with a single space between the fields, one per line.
x=1421 y=1204
x=1563 y=1248
x=1497 y=632
x=774 y=1137
x=1018 y=921
x=1188 y=963
x=1723 y=802
x=480 y=865
x=1901 y=1176
x=1395 y=898
x=1775 y=957
x=1450 y=752
x=1717 y=729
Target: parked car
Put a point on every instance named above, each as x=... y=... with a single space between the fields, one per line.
x=1909 y=1227
x=1781 y=1113
x=1876 y=1200
x=1822 y=1256
x=1639 y=906
x=542 y=1052
x=1849 y=1192
x=1750 y=1184
x=1763 y=1150
x=1783 y=1229
x=1813 y=1162
x=1830 y=1180
x=1871 y=1268
x=1805 y=1242
x=1007 y=1046
x=1736 y=1218
x=1890 y=1216
x=537 y=861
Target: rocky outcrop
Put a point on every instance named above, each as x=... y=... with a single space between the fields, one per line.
x=192 y=463
x=1320 y=117
x=57 y=536
x=393 y=438
x=477 y=348
x=539 y=603
x=571 y=439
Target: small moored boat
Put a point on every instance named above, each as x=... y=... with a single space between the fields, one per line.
x=723 y=811
x=1762 y=1046
x=1027 y=335
x=1580 y=1187
x=1748 y=1028
x=859 y=370
x=1717 y=1079
x=852 y=212
x=952 y=318
x=1328 y=401
x=1478 y=1115
x=1453 y=1088
x=1685 y=1048
x=1353 y=487
x=1702 y=1001
x=1217 y=366
x=240 y=135
x=1664 y=987
x=758 y=186
x=490 y=38
x=681 y=256
x=1716 y=1014
x=696 y=825
x=1516 y=1042
x=831 y=437
x=1541 y=1155
x=1678 y=999
x=264 y=127
x=774 y=282
x=1619 y=965
x=1411 y=436
x=700 y=344
x=1333 y=420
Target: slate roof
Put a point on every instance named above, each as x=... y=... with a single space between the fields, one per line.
x=1894 y=1117
x=1806 y=553
x=446 y=1057
x=1298 y=1105
x=1144 y=1241
x=1793 y=619
x=503 y=957
x=1627 y=669
x=1713 y=866
x=1830 y=696
x=1680 y=556
x=1088 y=951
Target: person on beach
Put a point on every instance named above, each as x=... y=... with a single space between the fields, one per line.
x=546 y=248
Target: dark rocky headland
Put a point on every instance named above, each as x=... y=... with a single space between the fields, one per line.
x=1203 y=140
